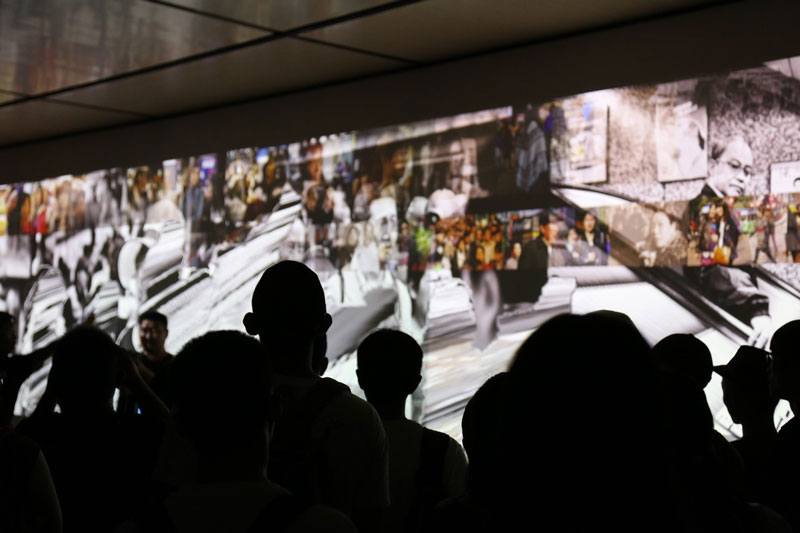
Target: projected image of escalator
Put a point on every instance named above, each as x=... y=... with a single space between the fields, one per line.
x=664 y=298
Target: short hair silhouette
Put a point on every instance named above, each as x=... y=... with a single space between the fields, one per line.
x=389 y=363
x=574 y=379
x=785 y=343
x=85 y=368
x=221 y=377
x=288 y=306
x=686 y=355
x=483 y=431
x=154 y=316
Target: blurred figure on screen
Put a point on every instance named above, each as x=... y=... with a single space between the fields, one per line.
x=793 y=233
x=532 y=163
x=394 y=160
x=512 y=263
x=595 y=239
x=736 y=291
x=576 y=249
x=666 y=244
x=543 y=251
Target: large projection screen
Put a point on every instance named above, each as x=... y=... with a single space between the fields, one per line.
x=676 y=203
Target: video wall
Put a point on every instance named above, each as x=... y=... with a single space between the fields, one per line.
x=677 y=203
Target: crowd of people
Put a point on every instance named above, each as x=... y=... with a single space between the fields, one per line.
x=241 y=432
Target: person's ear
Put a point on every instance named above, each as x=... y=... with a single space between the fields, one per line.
x=326 y=323
x=250 y=323
x=416 y=384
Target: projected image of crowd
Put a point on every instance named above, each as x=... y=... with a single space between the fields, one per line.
x=601 y=287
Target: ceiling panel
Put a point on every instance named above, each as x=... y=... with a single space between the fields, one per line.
x=432 y=30
x=280 y=14
x=50 y=44
x=37 y=119
x=245 y=73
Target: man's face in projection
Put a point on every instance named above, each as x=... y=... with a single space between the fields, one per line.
x=731 y=173
x=663 y=230
x=456 y=158
x=550 y=231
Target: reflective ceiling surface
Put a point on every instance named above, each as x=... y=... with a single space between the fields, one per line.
x=69 y=66
x=50 y=44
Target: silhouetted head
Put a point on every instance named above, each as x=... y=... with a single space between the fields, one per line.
x=389 y=365
x=688 y=423
x=786 y=361
x=685 y=355
x=85 y=370
x=8 y=333
x=222 y=392
x=289 y=312
x=586 y=387
x=483 y=430
x=745 y=386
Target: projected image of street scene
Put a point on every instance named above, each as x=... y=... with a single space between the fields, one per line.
x=677 y=204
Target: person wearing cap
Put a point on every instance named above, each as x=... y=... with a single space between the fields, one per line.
x=750 y=402
x=685 y=355
x=542 y=251
x=784 y=470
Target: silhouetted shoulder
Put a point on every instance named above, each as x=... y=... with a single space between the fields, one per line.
x=322 y=519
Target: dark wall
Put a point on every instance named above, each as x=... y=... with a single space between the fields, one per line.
x=726 y=36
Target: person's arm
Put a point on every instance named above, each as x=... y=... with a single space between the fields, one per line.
x=735 y=291
x=130 y=379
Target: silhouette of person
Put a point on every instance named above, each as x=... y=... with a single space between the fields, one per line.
x=154 y=361
x=100 y=460
x=329 y=446
x=227 y=376
x=751 y=403
x=425 y=466
x=784 y=470
x=481 y=506
x=557 y=372
x=685 y=355
x=14 y=369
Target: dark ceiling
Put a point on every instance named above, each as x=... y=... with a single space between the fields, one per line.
x=69 y=66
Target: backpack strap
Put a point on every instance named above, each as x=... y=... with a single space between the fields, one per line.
x=277 y=515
